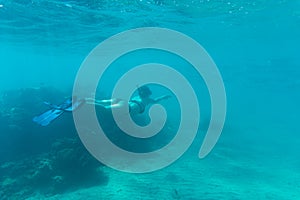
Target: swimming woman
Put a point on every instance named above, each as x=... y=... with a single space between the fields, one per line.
x=136 y=105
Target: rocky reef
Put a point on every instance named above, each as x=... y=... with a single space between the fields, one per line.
x=68 y=166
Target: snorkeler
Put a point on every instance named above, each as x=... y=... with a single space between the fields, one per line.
x=136 y=105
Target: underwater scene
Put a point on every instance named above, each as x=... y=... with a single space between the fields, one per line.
x=226 y=132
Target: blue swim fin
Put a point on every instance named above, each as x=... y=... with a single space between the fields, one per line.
x=56 y=110
x=47 y=117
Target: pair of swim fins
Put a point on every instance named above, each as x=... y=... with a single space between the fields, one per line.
x=56 y=110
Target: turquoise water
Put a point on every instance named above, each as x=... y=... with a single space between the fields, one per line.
x=255 y=45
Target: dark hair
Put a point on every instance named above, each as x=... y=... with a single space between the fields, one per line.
x=144 y=92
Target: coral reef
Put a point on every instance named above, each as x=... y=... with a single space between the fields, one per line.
x=68 y=166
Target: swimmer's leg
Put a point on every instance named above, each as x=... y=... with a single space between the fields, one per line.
x=106 y=103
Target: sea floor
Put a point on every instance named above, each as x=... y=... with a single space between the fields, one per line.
x=223 y=175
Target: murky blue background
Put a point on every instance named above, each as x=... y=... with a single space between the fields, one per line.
x=255 y=45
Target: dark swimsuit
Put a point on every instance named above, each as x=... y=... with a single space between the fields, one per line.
x=140 y=104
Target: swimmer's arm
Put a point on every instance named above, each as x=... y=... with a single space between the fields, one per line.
x=158 y=99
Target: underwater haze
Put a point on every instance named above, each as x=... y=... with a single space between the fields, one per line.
x=255 y=45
